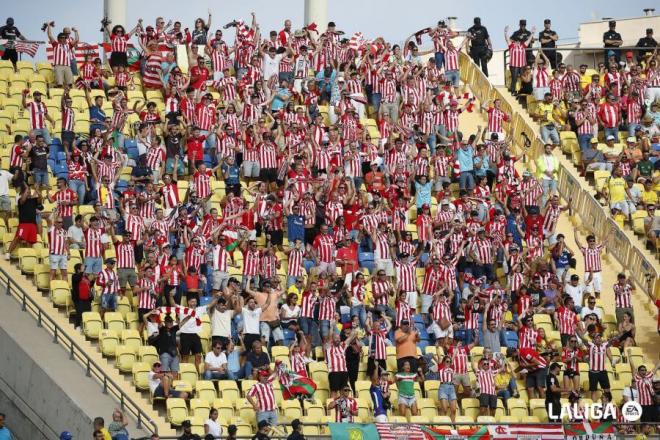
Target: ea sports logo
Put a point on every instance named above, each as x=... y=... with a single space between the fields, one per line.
x=631 y=411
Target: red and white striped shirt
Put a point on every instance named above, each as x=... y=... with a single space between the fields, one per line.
x=68 y=119
x=567 y=321
x=597 y=355
x=528 y=337
x=264 y=394
x=267 y=155
x=377 y=346
x=37 y=112
x=135 y=225
x=125 y=255
x=57 y=239
x=459 y=358
x=251 y=262
x=496 y=118
x=170 y=195
x=446 y=375
x=406 y=276
x=540 y=77
x=93 y=247
x=118 y=43
x=609 y=115
x=486 y=381
x=379 y=290
x=146 y=297
x=592 y=260
x=325 y=247
x=295 y=266
x=220 y=258
x=335 y=357
x=61 y=53
x=60 y=198
x=307 y=304
x=517 y=56
x=645 y=388
x=622 y=295
x=109 y=281
x=403 y=311
x=344 y=409
x=451 y=59
x=202 y=182
x=327 y=307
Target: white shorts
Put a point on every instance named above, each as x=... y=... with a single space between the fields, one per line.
x=439 y=332
x=381 y=418
x=427 y=300
x=596 y=282
x=386 y=265
x=411 y=299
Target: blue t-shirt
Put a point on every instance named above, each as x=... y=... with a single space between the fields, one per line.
x=465 y=158
x=96 y=117
x=5 y=434
x=377 y=400
x=296 y=227
x=562 y=260
x=423 y=194
x=278 y=103
x=233 y=174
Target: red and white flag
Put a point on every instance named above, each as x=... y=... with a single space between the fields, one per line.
x=512 y=432
x=26 y=47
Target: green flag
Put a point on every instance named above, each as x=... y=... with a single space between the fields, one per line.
x=353 y=431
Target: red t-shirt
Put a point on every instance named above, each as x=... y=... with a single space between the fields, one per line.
x=202 y=74
x=196 y=147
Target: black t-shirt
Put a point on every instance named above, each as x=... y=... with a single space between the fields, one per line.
x=27 y=211
x=521 y=35
x=39 y=158
x=547 y=34
x=257 y=361
x=479 y=34
x=611 y=35
x=260 y=436
x=549 y=394
x=647 y=42
x=295 y=435
x=191 y=436
x=166 y=342
x=10 y=33
x=172 y=146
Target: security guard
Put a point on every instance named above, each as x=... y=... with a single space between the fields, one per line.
x=481 y=48
x=648 y=42
x=548 y=39
x=611 y=40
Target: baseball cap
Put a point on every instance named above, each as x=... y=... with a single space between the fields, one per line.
x=594 y=140
x=110 y=261
x=156 y=364
x=186 y=424
x=609 y=138
x=631 y=139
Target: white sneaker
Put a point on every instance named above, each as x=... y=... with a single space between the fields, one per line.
x=7 y=256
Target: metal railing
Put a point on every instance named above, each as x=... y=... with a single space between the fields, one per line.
x=596 y=54
x=76 y=353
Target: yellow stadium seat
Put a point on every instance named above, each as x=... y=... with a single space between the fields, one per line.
x=228 y=390
x=225 y=409
x=60 y=294
x=291 y=409
x=189 y=373
x=131 y=339
x=140 y=373
x=123 y=306
x=114 y=321
x=92 y=324
x=464 y=419
x=108 y=341
x=148 y=354
x=27 y=259
x=205 y=390
x=132 y=320
x=537 y=409
x=125 y=358
x=42 y=276
x=199 y=407
x=177 y=411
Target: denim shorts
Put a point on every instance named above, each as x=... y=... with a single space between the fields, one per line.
x=324 y=327
x=93 y=265
x=57 y=261
x=447 y=391
x=109 y=302
x=40 y=177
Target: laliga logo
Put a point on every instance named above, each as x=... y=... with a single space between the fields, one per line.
x=594 y=411
x=631 y=411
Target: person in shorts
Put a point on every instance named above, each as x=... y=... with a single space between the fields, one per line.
x=251 y=169
x=447 y=389
x=406 y=379
x=160 y=382
x=127 y=275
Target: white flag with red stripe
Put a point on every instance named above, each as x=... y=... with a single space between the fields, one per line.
x=514 y=432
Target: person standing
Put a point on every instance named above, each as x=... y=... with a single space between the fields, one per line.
x=28 y=202
x=345 y=406
x=517 y=54
x=548 y=39
x=592 y=262
x=611 y=40
x=377 y=399
x=481 y=48
x=335 y=356
x=644 y=381
x=598 y=350
x=553 y=393
x=262 y=398
x=10 y=33
x=406 y=345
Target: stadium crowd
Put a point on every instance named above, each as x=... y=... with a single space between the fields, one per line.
x=318 y=191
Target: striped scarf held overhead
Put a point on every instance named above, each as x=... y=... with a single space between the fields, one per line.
x=181 y=311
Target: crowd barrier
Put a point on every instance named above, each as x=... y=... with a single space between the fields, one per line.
x=588 y=213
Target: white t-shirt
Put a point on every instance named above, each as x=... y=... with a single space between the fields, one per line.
x=76 y=235
x=153 y=381
x=271 y=66
x=575 y=292
x=630 y=393
x=214 y=428
x=290 y=313
x=152 y=329
x=191 y=326
x=251 y=320
x=216 y=361
x=5 y=179
x=587 y=311
x=221 y=323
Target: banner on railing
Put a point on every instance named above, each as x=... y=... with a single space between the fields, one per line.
x=386 y=431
